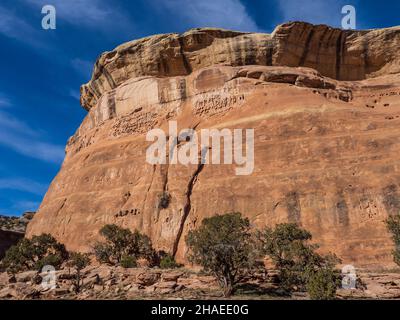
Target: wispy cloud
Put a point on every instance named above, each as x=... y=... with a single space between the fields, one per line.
x=10 y=123
x=228 y=14
x=23 y=206
x=99 y=14
x=74 y=94
x=18 y=207
x=24 y=185
x=12 y=26
x=18 y=136
x=313 y=11
x=4 y=100
x=83 y=67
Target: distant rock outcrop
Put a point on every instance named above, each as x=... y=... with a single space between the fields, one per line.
x=12 y=229
x=325 y=107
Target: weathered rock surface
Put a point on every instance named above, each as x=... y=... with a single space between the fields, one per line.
x=338 y=54
x=325 y=107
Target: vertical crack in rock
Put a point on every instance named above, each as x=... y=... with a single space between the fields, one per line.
x=270 y=54
x=365 y=56
x=187 y=207
x=148 y=189
x=61 y=207
x=320 y=43
x=111 y=104
x=306 y=48
x=339 y=53
x=342 y=210
x=164 y=170
x=185 y=60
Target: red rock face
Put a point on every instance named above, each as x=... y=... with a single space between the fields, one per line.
x=326 y=150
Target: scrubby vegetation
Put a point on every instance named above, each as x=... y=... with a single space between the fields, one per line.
x=34 y=254
x=393 y=224
x=128 y=262
x=123 y=247
x=78 y=261
x=167 y=261
x=223 y=246
x=300 y=266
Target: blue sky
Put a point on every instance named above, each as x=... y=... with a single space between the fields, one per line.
x=42 y=70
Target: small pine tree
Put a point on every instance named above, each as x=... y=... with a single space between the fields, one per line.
x=299 y=265
x=79 y=261
x=223 y=246
x=322 y=284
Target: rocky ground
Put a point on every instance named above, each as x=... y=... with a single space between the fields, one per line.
x=104 y=282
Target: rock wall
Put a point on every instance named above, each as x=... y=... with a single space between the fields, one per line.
x=342 y=55
x=326 y=150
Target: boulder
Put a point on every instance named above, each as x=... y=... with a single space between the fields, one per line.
x=148 y=278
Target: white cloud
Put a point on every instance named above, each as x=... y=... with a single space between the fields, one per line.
x=14 y=27
x=19 y=137
x=24 y=206
x=74 y=94
x=83 y=67
x=22 y=184
x=228 y=14
x=10 y=123
x=99 y=15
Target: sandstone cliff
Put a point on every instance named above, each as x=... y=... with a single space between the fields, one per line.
x=325 y=107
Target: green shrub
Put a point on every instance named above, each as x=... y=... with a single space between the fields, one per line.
x=34 y=254
x=393 y=225
x=78 y=261
x=299 y=265
x=128 y=262
x=322 y=284
x=168 y=262
x=120 y=242
x=223 y=246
